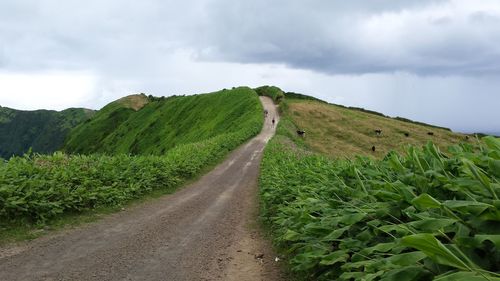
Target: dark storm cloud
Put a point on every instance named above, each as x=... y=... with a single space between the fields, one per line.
x=424 y=37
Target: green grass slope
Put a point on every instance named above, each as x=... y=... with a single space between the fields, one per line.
x=160 y=124
x=42 y=130
x=344 y=132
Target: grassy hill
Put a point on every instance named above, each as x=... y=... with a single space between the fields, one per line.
x=42 y=130
x=343 y=132
x=147 y=125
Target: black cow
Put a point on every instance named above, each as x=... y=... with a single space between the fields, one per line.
x=430 y=133
x=373 y=148
x=378 y=132
x=301 y=133
x=407 y=134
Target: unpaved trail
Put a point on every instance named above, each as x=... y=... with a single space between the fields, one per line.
x=205 y=231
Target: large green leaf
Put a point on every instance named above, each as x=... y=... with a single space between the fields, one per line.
x=479 y=175
x=291 y=235
x=467 y=207
x=434 y=249
x=336 y=234
x=408 y=273
x=335 y=257
x=406 y=259
x=425 y=201
x=431 y=224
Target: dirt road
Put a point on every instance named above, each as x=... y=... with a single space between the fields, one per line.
x=205 y=231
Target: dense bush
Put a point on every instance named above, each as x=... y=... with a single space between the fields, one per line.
x=421 y=216
x=35 y=188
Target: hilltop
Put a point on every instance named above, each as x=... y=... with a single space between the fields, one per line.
x=341 y=131
x=44 y=131
x=141 y=124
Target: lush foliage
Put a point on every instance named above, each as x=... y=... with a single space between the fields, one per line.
x=43 y=131
x=35 y=188
x=199 y=131
x=164 y=123
x=421 y=216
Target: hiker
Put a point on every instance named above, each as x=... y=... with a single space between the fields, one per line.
x=273 y=121
x=265 y=113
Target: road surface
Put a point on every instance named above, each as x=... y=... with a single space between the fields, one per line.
x=205 y=231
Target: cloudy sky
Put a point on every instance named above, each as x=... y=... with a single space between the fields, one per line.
x=429 y=60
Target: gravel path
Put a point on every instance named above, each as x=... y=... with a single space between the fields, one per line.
x=205 y=231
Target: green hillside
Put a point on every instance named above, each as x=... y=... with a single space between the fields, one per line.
x=340 y=131
x=159 y=124
x=42 y=130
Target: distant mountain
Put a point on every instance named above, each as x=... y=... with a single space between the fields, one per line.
x=44 y=131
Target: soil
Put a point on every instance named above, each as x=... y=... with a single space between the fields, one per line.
x=206 y=231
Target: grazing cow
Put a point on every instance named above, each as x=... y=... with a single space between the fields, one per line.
x=373 y=148
x=407 y=134
x=378 y=132
x=430 y=133
x=301 y=133
x=467 y=137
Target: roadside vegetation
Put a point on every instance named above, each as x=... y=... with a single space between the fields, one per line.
x=415 y=213
x=35 y=188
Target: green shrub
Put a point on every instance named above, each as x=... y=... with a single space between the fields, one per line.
x=420 y=216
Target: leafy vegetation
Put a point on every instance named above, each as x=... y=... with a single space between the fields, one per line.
x=43 y=131
x=424 y=215
x=161 y=124
x=35 y=189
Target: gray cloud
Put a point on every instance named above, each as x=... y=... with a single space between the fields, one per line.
x=353 y=52
x=424 y=37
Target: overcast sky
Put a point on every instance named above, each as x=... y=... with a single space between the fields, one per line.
x=428 y=60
